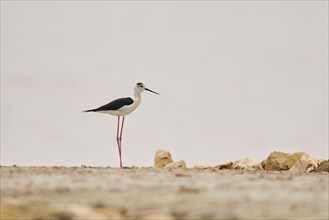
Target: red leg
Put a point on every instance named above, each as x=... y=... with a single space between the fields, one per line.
x=120 y=138
x=123 y=120
x=119 y=141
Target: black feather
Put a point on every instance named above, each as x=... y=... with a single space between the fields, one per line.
x=91 y=110
x=114 y=105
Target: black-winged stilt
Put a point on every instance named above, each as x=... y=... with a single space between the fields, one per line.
x=122 y=107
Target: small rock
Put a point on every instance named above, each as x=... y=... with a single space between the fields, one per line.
x=306 y=163
x=323 y=166
x=320 y=161
x=245 y=163
x=275 y=161
x=201 y=166
x=162 y=158
x=259 y=166
x=263 y=164
x=293 y=158
x=175 y=165
x=227 y=165
x=281 y=161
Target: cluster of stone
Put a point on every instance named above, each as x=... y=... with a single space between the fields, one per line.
x=299 y=162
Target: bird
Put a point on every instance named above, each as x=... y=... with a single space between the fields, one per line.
x=122 y=107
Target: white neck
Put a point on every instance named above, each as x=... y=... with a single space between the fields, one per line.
x=137 y=94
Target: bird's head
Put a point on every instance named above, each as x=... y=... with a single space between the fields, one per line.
x=140 y=87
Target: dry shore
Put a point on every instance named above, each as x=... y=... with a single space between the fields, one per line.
x=65 y=193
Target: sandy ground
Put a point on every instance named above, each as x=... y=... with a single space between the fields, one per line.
x=65 y=193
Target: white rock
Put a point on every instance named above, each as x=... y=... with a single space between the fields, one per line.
x=245 y=163
x=175 y=165
x=162 y=158
x=201 y=166
x=305 y=164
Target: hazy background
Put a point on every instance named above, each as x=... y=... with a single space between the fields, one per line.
x=237 y=79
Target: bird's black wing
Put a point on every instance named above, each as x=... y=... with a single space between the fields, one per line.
x=114 y=105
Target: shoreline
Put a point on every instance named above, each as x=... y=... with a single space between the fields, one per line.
x=153 y=193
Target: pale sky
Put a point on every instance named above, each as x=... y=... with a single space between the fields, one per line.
x=236 y=79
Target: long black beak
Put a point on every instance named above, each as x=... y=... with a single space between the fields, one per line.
x=151 y=91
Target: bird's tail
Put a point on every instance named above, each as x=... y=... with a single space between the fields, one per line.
x=91 y=110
